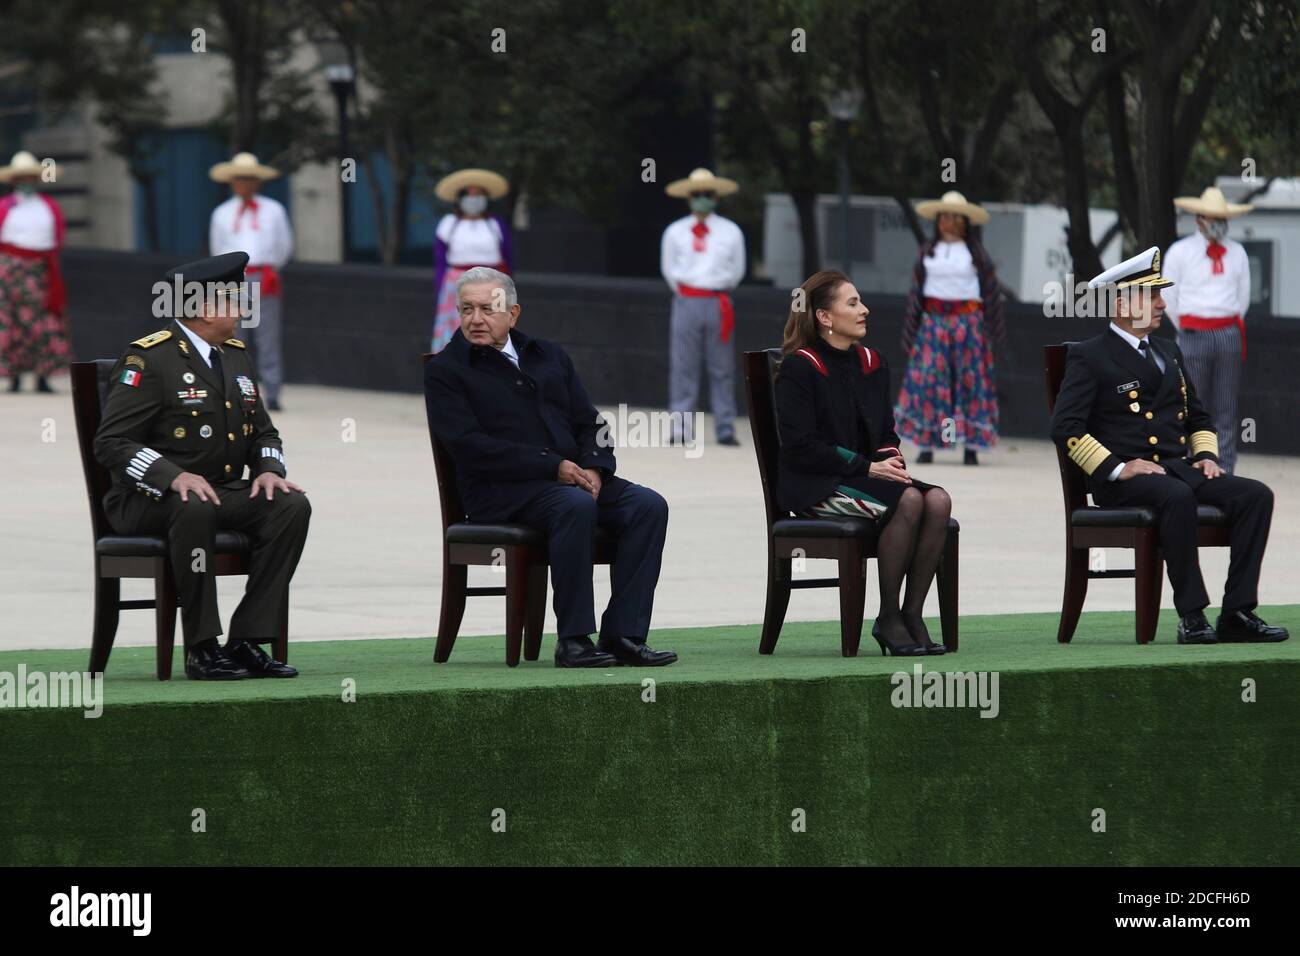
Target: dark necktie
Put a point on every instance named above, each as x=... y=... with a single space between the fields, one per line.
x=1149 y=354
x=215 y=356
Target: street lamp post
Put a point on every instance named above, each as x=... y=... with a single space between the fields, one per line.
x=341 y=76
x=843 y=105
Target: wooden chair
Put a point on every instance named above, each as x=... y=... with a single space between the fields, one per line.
x=850 y=541
x=518 y=548
x=137 y=556
x=1087 y=526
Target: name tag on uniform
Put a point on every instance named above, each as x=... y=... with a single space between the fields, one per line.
x=1126 y=386
x=192 y=396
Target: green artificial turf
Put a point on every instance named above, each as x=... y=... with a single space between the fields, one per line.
x=587 y=771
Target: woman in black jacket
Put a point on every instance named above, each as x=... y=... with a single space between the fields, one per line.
x=839 y=453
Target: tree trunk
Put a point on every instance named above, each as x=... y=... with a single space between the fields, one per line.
x=1155 y=223
x=805 y=207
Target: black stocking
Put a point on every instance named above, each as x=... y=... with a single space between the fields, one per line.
x=894 y=556
x=925 y=557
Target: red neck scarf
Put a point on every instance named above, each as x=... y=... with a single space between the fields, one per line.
x=251 y=206
x=1216 y=253
x=700 y=230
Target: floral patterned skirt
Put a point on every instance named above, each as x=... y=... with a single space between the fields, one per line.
x=949 y=395
x=446 y=316
x=32 y=338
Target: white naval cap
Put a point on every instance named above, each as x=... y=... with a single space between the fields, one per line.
x=1142 y=270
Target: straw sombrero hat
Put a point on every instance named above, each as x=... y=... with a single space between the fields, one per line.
x=953 y=201
x=701 y=181
x=23 y=164
x=1212 y=203
x=243 y=164
x=449 y=187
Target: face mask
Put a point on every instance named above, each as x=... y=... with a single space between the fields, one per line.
x=473 y=205
x=1216 y=228
x=26 y=189
x=703 y=204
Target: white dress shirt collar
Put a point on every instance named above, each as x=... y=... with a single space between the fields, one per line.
x=203 y=347
x=1128 y=337
x=508 y=350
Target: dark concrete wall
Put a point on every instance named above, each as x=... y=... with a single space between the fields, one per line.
x=364 y=326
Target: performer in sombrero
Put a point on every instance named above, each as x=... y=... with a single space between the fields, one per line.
x=258 y=225
x=702 y=258
x=33 y=322
x=466 y=237
x=1208 y=304
x=952 y=320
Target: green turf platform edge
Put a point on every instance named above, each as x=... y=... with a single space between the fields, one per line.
x=710 y=773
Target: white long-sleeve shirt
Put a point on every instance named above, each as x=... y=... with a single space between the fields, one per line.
x=950 y=273
x=29 y=224
x=264 y=233
x=719 y=265
x=1197 y=289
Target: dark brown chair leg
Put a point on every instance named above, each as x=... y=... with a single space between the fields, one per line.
x=778 y=599
x=455 y=580
x=536 y=612
x=282 y=636
x=1148 y=568
x=108 y=594
x=1076 y=589
x=517 y=560
x=164 y=591
x=853 y=595
x=947 y=584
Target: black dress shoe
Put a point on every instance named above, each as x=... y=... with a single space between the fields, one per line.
x=257 y=661
x=1195 y=629
x=15 y=383
x=730 y=441
x=925 y=458
x=580 y=652
x=899 y=647
x=1244 y=627
x=274 y=405
x=43 y=386
x=207 y=662
x=915 y=625
x=635 y=653
x=971 y=458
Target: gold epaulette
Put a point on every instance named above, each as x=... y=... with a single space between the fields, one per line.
x=149 y=341
x=235 y=342
x=1205 y=441
x=1087 y=452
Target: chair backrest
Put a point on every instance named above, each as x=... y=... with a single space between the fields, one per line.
x=89 y=393
x=760 y=369
x=453 y=509
x=1073 y=486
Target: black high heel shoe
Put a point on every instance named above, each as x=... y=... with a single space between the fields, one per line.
x=898 y=650
x=921 y=634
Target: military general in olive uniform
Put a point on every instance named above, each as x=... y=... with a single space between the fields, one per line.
x=184 y=420
x=1128 y=415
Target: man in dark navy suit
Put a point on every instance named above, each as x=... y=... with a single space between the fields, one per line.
x=1127 y=414
x=530 y=447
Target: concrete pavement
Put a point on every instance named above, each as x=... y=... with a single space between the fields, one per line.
x=372 y=562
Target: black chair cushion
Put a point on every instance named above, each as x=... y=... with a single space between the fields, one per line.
x=1137 y=517
x=155 y=546
x=471 y=532
x=837 y=527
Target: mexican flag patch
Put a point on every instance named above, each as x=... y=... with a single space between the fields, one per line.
x=131 y=377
